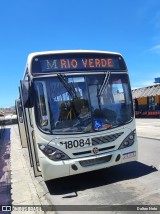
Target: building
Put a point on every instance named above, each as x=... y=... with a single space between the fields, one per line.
x=147 y=100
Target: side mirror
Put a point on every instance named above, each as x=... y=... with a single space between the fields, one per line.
x=27 y=95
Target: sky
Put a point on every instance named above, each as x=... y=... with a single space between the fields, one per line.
x=131 y=28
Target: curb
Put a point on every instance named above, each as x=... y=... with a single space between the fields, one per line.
x=26 y=189
x=152 y=138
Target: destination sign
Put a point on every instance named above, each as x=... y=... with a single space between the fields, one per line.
x=54 y=64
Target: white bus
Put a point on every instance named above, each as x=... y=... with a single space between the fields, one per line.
x=77 y=112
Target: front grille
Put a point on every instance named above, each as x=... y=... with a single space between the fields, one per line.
x=95 y=161
x=105 y=139
x=89 y=151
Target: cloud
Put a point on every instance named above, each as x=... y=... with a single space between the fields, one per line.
x=156 y=75
x=155 y=49
x=147 y=83
x=142 y=84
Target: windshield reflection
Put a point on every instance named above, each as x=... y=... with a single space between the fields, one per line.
x=81 y=104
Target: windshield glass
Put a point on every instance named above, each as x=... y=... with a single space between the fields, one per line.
x=82 y=103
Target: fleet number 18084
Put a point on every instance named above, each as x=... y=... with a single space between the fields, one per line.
x=76 y=143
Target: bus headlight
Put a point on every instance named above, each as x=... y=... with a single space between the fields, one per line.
x=128 y=141
x=53 y=153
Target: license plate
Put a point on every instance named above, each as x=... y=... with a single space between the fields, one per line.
x=129 y=155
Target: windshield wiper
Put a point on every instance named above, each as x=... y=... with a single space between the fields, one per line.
x=103 y=86
x=71 y=90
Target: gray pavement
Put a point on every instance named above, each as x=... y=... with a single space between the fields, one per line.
x=21 y=187
x=148 y=128
x=18 y=186
x=26 y=189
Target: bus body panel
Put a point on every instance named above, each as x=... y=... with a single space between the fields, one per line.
x=29 y=130
x=82 y=158
x=32 y=143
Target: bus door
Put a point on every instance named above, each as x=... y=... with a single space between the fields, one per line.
x=21 y=126
x=32 y=148
x=25 y=126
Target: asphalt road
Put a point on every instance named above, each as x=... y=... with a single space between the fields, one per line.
x=136 y=183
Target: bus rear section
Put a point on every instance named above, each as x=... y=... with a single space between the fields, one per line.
x=81 y=109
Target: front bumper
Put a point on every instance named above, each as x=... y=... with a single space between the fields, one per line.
x=56 y=169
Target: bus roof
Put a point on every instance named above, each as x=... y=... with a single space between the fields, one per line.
x=31 y=55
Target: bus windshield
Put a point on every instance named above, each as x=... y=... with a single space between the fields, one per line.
x=82 y=103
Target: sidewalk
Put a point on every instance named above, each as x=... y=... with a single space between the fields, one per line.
x=26 y=189
x=5 y=180
x=148 y=128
